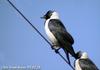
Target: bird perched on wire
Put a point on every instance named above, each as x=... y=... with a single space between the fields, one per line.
x=57 y=34
x=84 y=63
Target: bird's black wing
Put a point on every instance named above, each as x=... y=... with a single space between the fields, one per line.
x=87 y=64
x=64 y=39
x=56 y=25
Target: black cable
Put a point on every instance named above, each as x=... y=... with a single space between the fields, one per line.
x=66 y=61
x=30 y=23
x=39 y=32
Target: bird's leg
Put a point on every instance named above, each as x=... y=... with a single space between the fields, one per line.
x=67 y=55
x=56 y=50
x=54 y=47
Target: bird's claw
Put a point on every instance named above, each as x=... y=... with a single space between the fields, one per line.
x=52 y=47
x=56 y=50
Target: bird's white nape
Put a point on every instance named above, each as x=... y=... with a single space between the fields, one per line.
x=84 y=55
x=54 y=15
x=77 y=66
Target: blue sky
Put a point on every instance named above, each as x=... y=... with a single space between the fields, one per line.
x=21 y=45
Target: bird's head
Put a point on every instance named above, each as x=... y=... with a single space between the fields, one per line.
x=51 y=15
x=82 y=55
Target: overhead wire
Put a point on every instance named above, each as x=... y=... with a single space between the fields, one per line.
x=38 y=31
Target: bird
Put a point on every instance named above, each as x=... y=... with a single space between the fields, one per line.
x=57 y=34
x=84 y=62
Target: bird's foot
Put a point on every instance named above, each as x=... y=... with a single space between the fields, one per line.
x=56 y=50
x=53 y=47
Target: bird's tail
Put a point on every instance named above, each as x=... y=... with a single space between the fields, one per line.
x=67 y=56
x=70 y=51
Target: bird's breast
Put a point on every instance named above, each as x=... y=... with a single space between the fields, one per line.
x=49 y=33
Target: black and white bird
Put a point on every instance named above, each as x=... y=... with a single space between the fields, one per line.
x=57 y=33
x=84 y=63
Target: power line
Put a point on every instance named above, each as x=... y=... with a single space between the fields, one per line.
x=66 y=61
x=29 y=23
x=38 y=32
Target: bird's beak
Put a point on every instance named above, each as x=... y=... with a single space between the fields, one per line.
x=43 y=17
